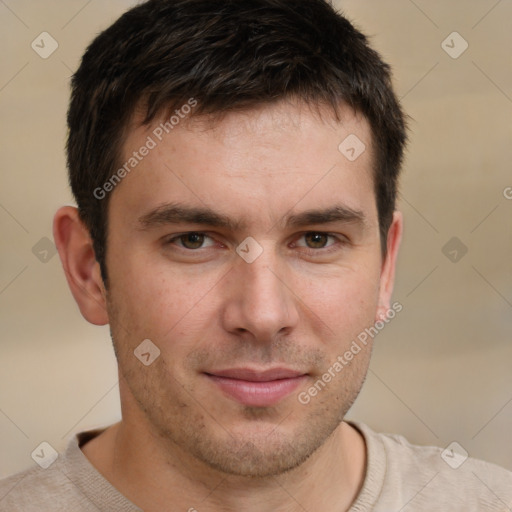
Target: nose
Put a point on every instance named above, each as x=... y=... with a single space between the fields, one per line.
x=260 y=302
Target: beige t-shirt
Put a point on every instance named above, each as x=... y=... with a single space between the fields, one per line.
x=399 y=477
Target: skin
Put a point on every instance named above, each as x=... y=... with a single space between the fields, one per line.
x=182 y=442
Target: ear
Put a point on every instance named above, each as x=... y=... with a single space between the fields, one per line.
x=387 y=276
x=80 y=266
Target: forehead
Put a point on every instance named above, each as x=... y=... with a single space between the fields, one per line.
x=266 y=160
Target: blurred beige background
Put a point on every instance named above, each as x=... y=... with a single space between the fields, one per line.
x=441 y=368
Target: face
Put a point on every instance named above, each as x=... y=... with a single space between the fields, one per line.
x=244 y=326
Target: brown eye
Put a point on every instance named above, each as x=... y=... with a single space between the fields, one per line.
x=316 y=240
x=192 y=240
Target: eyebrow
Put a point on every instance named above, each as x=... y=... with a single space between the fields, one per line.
x=338 y=213
x=173 y=213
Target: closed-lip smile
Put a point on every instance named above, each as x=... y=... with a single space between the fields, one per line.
x=257 y=388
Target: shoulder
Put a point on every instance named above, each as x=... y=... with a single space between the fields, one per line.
x=37 y=489
x=448 y=477
x=63 y=485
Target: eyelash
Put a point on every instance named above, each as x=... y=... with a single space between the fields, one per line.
x=340 y=241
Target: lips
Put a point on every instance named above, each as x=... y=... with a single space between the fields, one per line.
x=256 y=388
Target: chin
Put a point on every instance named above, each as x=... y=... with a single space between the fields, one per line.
x=262 y=449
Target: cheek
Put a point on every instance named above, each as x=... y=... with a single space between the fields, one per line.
x=157 y=302
x=345 y=300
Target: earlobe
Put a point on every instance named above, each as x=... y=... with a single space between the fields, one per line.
x=80 y=266
x=387 y=277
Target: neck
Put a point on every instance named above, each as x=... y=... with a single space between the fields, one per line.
x=160 y=475
x=157 y=479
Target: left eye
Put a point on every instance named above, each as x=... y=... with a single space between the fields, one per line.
x=315 y=240
x=192 y=240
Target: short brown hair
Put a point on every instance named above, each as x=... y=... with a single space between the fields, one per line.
x=229 y=55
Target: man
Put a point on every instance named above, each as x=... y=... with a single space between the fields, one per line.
x=235 y=167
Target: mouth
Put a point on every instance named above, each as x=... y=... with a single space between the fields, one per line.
x=257 y=388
